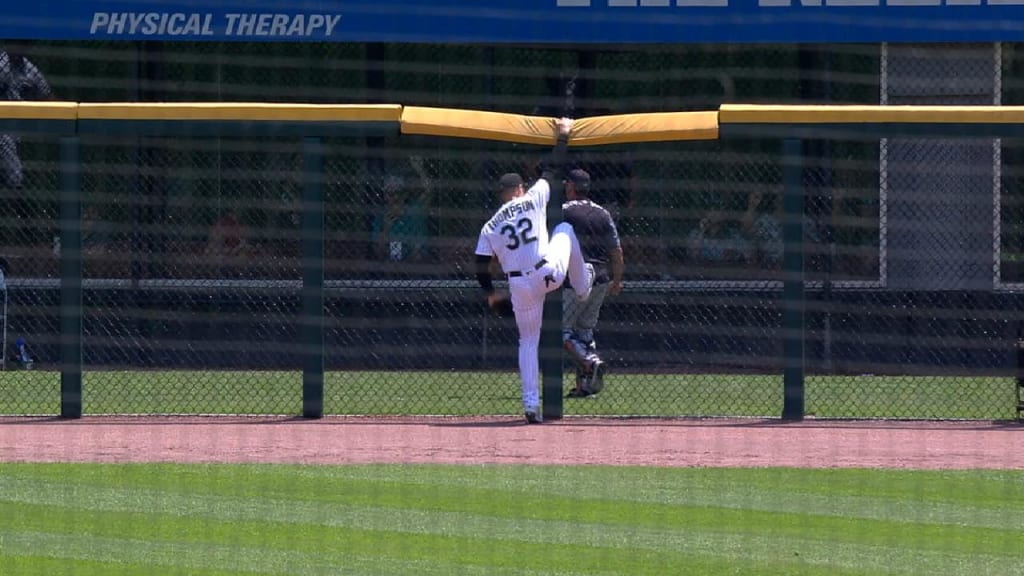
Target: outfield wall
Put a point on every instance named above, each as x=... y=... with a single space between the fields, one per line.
x=159 y=300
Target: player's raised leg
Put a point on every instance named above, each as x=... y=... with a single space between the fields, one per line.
x=565 y=249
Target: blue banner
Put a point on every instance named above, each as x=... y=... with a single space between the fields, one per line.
x=518 y=21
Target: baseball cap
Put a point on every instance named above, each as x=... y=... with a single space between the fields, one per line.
x=580 y=178
x=510 y=180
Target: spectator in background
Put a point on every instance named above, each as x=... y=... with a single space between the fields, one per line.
x=96 y=235
x=20 y=80
x=228 y=237
x=718 y=241
x=400 y=227
x=761 y=225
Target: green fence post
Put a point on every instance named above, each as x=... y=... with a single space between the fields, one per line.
x=312 y=320
x=551 y=333
x=70 y=279
x=793 y=303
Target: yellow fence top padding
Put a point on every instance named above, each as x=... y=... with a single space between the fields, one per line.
x=39 y=110
x=649 y=127
x=479 y=124
x=778 y=114
x=518 y=128
x=238 y=111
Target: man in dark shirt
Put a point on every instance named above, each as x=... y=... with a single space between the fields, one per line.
x=599 y=241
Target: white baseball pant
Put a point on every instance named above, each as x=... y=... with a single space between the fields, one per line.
x=528 y=291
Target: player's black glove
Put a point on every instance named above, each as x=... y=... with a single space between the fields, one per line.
x=500 y=304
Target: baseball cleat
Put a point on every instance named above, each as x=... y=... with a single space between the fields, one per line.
x=534 y=417
x=579 y=393
x=597 y=373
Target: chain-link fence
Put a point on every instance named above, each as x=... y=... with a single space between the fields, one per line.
x=193 y=263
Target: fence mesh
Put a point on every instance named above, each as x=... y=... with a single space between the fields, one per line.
x=193 y=264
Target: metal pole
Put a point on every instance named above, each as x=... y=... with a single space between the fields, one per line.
x=312 y=320
x=3 y=352
x=551 y=354
x=70 y=279
x=793 y=295
x=1020 y=379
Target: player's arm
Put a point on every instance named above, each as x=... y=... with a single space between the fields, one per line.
x=483 y=273
x=482 y=264
x=615 y=258
x=618 y=266
x=497 y=300
x=560 y=155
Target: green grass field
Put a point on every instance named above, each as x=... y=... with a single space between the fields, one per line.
x=115 y=520
x=460 y=393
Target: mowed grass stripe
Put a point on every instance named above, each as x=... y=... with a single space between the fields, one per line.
x=206 y=558
x=989 y=499
x=649 y=526
x=840 y=517
x=984 y=499
x=211 y=544
x=392 y=553
x=32 y=564
x=661 y=484
x=837 y=542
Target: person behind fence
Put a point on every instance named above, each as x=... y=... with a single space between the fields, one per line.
x=718 y=241
x=517 y=235
x=20 y=80
x=228 y=237
x=401 y=226
x=97 y=238
x=599 y=240
x=761 y=225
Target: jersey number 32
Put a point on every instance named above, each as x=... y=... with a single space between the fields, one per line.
x=519 y=234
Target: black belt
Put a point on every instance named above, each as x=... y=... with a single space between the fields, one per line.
x=537 y=266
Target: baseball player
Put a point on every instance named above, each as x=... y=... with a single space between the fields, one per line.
x=599 y=239
x=517 y=235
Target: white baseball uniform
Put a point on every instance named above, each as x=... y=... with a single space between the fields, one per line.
x=517 y=235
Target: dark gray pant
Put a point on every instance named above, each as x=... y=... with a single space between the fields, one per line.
x=579 y=319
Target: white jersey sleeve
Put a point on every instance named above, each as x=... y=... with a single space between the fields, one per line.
x=541 y=190
x=483 y=244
